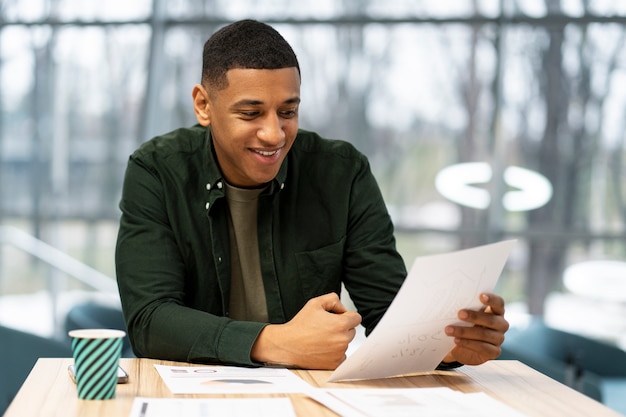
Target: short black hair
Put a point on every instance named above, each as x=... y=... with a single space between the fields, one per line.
x=244 y=44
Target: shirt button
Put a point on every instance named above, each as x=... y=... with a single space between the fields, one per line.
x=207 y=205
x=219 y=185
x=282 y=185
x=208 y=186
x=219 y=259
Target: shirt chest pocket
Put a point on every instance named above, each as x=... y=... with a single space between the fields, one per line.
x=320 y=270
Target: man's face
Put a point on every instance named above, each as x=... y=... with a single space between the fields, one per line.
x=254 y=122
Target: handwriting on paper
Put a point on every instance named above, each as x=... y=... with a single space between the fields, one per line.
x=415 y=344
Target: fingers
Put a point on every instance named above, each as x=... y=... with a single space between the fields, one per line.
x=331 y=303
x=484 y=320
x=482 y=340
x=475 y=345
x=475 y=333
x=494 y=303
x=352 y=319
x=492 y=316
x=472 y=352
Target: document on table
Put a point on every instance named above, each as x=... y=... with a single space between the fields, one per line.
x=411 y=402
x=230 y=380
x=203 y=407
x=410 y=337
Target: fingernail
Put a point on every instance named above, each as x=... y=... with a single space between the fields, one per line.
x=463 y=315
x=449 y=330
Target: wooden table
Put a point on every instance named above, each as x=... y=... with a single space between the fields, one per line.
x=49 y=392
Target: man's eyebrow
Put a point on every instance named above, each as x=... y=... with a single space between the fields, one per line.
x=247 y=102
x=293 y=100
x=251 y=102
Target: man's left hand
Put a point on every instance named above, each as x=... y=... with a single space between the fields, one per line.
x=483 y=340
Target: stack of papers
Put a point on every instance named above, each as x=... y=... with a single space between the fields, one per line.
x=346 y=402
x=423 y=402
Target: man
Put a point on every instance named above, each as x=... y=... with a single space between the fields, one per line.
x=237 y=233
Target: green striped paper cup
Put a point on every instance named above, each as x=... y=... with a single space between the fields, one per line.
x=96 y=358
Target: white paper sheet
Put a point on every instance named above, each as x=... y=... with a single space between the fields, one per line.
x=230 y=380
x=410 y=337
x=205 y=407
x=411 y=402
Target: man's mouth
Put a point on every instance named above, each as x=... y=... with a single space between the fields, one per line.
x=267 y=153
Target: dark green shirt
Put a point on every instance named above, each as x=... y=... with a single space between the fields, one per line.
x=322 y=221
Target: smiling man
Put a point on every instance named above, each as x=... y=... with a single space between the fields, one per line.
x=237 y=233
x=253 y=120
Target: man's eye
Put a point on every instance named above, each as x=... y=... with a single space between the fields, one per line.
x=249 y=114
x=289 y=113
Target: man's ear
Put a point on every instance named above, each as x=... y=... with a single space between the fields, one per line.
x=201 y=104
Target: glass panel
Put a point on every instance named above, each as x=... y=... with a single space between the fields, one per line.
x=479 y=126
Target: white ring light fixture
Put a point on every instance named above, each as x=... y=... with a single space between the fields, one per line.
x=457 y=184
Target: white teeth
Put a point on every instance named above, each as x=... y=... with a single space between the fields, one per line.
x=265 y=153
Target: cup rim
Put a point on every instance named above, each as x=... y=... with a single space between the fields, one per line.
x=96 y=333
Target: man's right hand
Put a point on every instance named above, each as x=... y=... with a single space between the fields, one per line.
x=316 y=338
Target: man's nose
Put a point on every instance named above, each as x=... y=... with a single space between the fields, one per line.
x=271 y=131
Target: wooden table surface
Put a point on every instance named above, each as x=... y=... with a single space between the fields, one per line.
x=49 y=392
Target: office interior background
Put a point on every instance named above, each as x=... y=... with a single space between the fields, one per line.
x=483 y=120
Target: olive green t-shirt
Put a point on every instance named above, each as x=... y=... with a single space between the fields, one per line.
x=247 y=294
